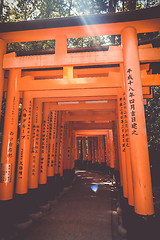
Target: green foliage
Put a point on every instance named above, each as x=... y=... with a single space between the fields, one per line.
x=4 y=11
x=31 y=46
x=152 y=112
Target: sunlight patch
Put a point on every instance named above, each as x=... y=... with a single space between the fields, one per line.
x=94 y=187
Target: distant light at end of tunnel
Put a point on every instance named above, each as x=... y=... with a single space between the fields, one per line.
x=94 y=188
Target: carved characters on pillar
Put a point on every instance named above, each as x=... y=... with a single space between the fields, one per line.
x=132 y=101
x=122 y=123
x=126 y=131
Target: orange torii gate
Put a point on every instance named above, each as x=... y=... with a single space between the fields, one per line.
x=102 y=94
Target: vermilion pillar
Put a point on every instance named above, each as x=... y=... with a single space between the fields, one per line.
x=118 y=149
x=93 y=150
x=99 y=149
x=44 y=144
x=136 y=124
x=24 y=145
x=68 y=135
x=35 y=144
x=72 y=151
x=115 y=139
x=77 y=148
x=9 y=144
x=52 y=143
x=128 y=155
x=107 y=149
x=65 y=147
x=122 y=144
x=61 y=145
x=2 y=52
x=84 y=149
x=112 y=149
x=57 y=144
x=103 y=151
x=89 y=149
x=96 y=150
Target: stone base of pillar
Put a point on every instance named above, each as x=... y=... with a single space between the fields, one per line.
x=103 y=167
x=66 y=177
x=89 y=165
x=138 y=227
x=51 y=188
x=84 y=164
x=7 y=210
x=33 y=200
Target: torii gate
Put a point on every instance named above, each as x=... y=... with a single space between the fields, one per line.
x=119 y=92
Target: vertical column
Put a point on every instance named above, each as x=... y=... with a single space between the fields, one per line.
x=35 y=144
x=103 y=151
x=128 y=155
x=24 y=145
x=89 y=151
x=57 y=143
x=93 y=150
x=9 y=144
x=96 y=150
x=65 y=148
x=116 y=145
x=72 y=150
x=68 y=145
x=2 y=52
x=108 y=150
x=77 y=145
x=61 y=145
x=84 y=150
x=44 y=144
x=99 y=149
x=122 y=145
x=112 y=149
x=119 y=144
x=52 y=143
x=136 y=124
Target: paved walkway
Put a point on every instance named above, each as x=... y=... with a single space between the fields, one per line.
x=80 y=214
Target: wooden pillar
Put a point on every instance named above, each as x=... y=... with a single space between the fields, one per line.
x=52 y=143
x=99 y=149
x=103 y=151
x=61 y=146
x=24 y=145
x=112 y=149
x=57 y=144
x=69 y=146
x=44 y=144
x=93 y=150
x=9 y=144
x=72 y=156
x=96 y=150
x=122 y=145
x=89 y=149
x=136 y=124
x=77 y=148
x=65 y=140
x=115 y=139
x=107 y=149
x=128 y=155
x=119 y=166
x=35 y=144
x=2 y=52
x=84 y=149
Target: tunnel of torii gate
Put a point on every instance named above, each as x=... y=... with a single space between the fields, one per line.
x=95 y=96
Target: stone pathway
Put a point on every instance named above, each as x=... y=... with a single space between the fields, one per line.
x=81 y=214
